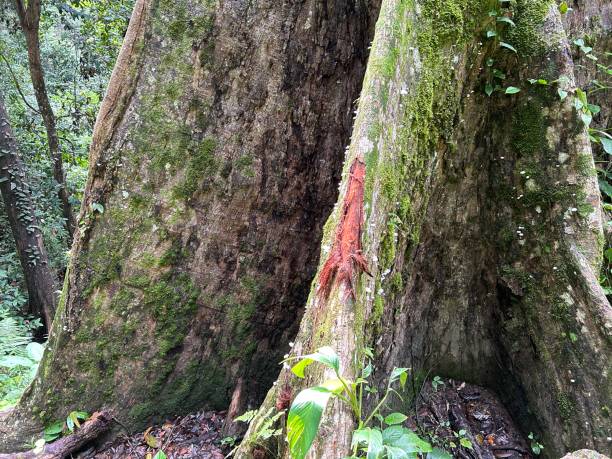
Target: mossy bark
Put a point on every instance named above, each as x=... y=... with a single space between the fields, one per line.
x=214 y=163
x=483 y=230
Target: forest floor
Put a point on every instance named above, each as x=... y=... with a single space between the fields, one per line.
x=193 y=436
x=465 y=419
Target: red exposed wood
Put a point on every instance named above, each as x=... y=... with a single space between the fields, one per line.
x=346 y=257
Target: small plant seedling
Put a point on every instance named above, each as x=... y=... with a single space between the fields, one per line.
x=436 y=382
x=389 y=439
x=536 y=446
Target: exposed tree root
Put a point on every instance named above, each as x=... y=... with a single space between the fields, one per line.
x=98 y=424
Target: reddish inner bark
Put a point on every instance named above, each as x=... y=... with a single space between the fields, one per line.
x=346 y=256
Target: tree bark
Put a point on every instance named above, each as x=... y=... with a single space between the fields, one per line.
x=214 y=163
x=482 y=232
x=24 y=225
x=29 y=18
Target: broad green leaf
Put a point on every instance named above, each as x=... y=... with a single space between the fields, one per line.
x=412 y=443
x=395 y=418
x=325 y=355
x=160 y=455
x=334 y=385
x=392 y=434
x=562 y=94
x=507 y=46
x=586 y=118
x=594 y=109
x=56 y=428
x=578 y=105
x=581 y=96
x=367 y=371
x=393 y=452
x=605 y=188
x=439 y=453
x=97 y=207
x=304 y=418
x=488 y=89
x=396 y=373
x=606 y=144
x=563 y=7
x=372 y=439
x=512 y=90
x=35 y=351
x=491 y=33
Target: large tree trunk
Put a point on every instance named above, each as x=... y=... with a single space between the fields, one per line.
x=482 y=231
x=24 y=225
x=29 y=18
x=214 y=163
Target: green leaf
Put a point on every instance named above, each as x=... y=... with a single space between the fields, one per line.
x=491 y=33
x=594 y=109
x=396 y=373
x=35 y=351
x=392 y=434
x=82 y=415
x=53 y=429
x=334 y=385
x=304 y=418
x=488 y=89
x=395 y=418
x=70 y=423
x=608 y=254
x=465 y=443
x=582 y=97
x=393 y=452
x=562 y=94
x=97 y=207
x=246 y=416
x=412 y=443
x=563 y=7
x=439 y=453
x=508 y=46
x=403 y=379
x=512 y=90
x=506 y=20
x=325 y=355
x=586 y=118
x=499 y=74
x=606 y=144
x=573 y=337
x=490 y=62
x=372 y=438
x=160 y=455
x=367 y=371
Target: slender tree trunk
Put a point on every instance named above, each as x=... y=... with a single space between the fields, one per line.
x=24 y=225
x=214 y=163
x=29 y=18
x=482 y=230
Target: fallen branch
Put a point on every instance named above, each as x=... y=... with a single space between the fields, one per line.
x=89 y=431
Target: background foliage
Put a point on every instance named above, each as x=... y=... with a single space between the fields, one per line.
x=79 y=44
